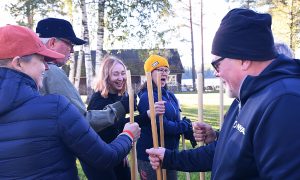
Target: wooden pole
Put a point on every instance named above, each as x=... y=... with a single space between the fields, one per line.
x=200 y=108
x=153 y=119
x=133 y=168
x=221 y=91
x=187 y=174
x=161 y=122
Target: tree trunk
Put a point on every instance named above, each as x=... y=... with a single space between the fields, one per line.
x=87 y=51
x=72 y=68
x=29 y=14
x=100 y=35
x=69 y=4
x=292 y=19
x=202 y=42
x=192 y=46
x=78 y=69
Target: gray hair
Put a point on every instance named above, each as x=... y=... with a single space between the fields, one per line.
x=26 y=58
x=44 y=40
x=5 y=62
x=283 y=48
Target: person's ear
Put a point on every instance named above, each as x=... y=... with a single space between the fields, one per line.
x=246 y=65
x=51 y=42
x=16 y=63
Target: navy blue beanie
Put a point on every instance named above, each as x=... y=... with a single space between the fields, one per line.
x=245 y=34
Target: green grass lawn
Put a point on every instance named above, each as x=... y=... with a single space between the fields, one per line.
x=190 y=110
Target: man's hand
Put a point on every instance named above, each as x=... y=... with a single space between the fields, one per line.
x=156 y=155
x=204 y=132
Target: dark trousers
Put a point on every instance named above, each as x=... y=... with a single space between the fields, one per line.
x=147 y=173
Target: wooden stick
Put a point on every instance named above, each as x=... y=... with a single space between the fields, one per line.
x=200 y=108
x=131 y=97
x=221 y=90
x=161 y=122
x=187 y=174
x=153 y=119
x=133 y=169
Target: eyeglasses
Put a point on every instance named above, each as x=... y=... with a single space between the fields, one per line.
x=216 y=63
x=167 y=71
x=67 y=42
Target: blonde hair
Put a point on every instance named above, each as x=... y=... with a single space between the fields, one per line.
x=102 y=83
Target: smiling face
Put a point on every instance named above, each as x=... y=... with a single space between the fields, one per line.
x=231 y=74
x=164 y=71
x=117 y=78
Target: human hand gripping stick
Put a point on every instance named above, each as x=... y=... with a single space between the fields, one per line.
x=132 y=130
x=159 y=108
x=156 y=156
x=204 y=132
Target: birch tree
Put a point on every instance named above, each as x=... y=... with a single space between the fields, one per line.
x=87 y=50
x=113 y=16
x=70 y=9
x=100 y=35
x=140 y=20
x=78 y=68
x=119 y=13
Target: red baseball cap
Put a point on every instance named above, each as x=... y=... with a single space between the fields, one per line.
x=20 y=41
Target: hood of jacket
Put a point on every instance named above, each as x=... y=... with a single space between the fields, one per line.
x=16 y=88
x=281 y=67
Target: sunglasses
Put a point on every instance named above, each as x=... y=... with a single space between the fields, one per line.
x=216 y=63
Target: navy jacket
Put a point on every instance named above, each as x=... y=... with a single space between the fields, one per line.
x=41 y=136
x=98 y=102
x=173 y=126
x=121 y=171
x=259 y=137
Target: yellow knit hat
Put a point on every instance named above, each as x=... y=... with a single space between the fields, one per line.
x=155 y=61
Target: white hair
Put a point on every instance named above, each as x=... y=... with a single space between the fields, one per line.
x=45 y=40
x=283 y=48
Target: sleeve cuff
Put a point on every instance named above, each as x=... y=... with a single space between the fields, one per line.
x=118 y=109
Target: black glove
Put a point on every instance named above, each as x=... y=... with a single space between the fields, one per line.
x=189 y=134
x=125 y=102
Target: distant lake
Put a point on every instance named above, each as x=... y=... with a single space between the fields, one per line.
x=207 y=82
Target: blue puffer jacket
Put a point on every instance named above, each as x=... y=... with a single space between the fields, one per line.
x=41 y=136
x=173 y=125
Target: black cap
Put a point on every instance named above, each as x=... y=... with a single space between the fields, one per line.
x=60 y=28
x=245 y=34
